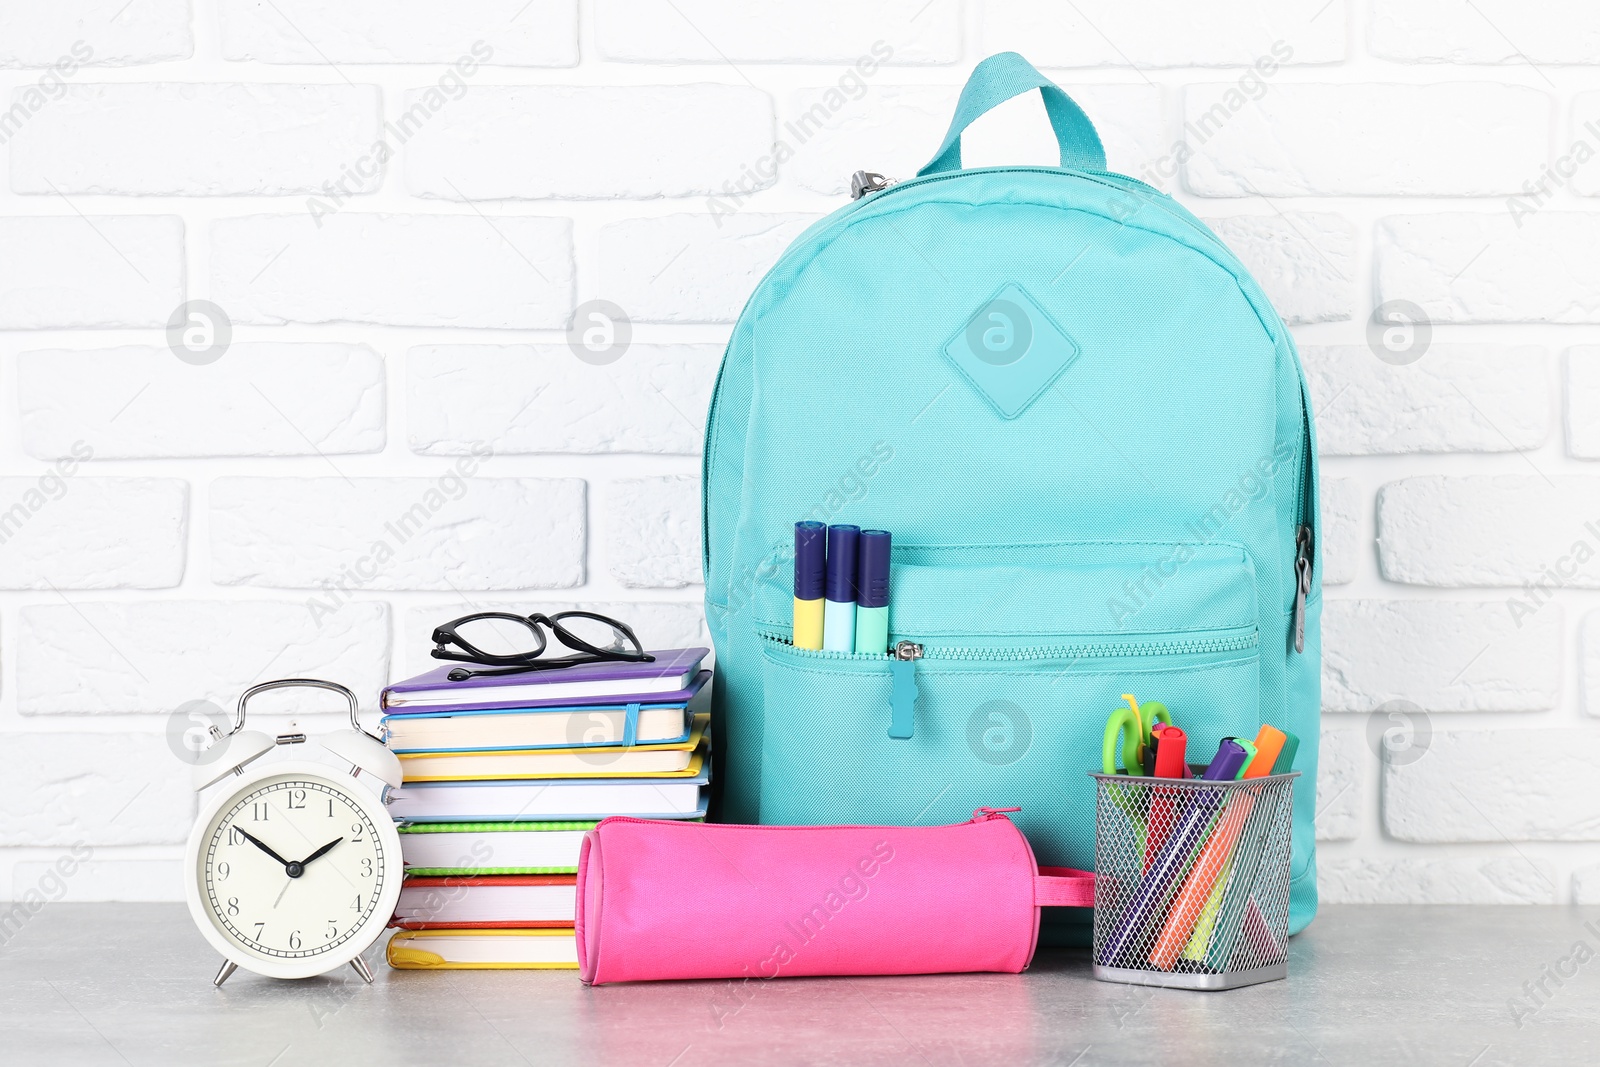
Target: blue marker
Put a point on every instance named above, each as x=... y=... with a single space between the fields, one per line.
x=810 y=543
x=872 y=592
x=839 y=607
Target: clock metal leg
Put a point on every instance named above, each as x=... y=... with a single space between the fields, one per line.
x=361 y=968
x=228 y=967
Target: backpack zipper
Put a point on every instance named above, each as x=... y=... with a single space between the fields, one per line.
x=865 y=183
x=911 y=651
x=1305 y=535
x=903 y=691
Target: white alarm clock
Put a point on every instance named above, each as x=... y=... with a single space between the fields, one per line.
x=293 y=869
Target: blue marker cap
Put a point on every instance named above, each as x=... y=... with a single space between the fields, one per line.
x=810 y=545
x=842 y=564
x=872 y=583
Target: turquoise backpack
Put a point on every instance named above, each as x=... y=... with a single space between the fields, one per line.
x=1089 y=434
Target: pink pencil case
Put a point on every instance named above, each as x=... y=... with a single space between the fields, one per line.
x=663 y=899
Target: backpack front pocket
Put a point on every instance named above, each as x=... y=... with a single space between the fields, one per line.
x=1011 y=672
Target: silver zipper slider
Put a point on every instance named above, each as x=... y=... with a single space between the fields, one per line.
x=903 y=689
x=988 y=814
x=1304 y=549
x=863 y=182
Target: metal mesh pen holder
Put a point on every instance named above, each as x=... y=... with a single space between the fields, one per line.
x=1192 y=880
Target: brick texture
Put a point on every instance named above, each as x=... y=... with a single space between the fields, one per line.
x=139 y=401
x=508 y=32
x=408 y=214
x=196 y=140
x=343 y=535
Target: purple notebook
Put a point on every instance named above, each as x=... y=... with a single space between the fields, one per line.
x=669 y=674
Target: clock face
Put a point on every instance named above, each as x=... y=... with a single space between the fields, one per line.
x=293 y=867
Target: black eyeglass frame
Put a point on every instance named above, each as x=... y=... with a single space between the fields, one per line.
x=520 y=662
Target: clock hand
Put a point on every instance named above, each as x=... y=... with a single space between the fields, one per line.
x=320 y=852
x=258 y=843
x=281 y=892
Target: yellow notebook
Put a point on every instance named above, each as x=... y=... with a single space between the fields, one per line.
x=673 y=760
x=471 y=950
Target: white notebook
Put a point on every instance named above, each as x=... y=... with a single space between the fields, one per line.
x=477 y=904
x=422 y=949
x=675 y=798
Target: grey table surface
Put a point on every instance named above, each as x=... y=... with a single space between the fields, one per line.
x=131 y=984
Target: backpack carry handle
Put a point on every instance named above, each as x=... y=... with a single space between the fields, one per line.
x=998 y=79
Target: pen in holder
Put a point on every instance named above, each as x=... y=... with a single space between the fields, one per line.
x=1192 y=880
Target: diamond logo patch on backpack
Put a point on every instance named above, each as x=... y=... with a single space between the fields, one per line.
x=1010 y=350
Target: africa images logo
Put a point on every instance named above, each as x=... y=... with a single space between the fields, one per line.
x=1011 y=350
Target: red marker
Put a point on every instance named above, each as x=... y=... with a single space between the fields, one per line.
x=1170 y=745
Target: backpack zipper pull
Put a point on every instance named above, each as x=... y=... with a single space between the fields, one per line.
x=1302 y=584
x=903 y=689
x=863 y=182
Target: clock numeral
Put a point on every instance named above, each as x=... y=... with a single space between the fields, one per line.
x=355 y=828
x=333 y=930
x=234 y=836
x=260 y=927
x=297 y=799
x=366 y=869
x=294 y=939
x=223 y=870
x=330 y=807
x=355 y=905
x=258 y=811
x=233 y=905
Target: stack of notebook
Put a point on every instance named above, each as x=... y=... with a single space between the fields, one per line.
x=504 y=774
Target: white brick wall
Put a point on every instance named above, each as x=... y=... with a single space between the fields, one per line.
x=1437 y=31
x=139 y=401
x=1461 y=139
x=66 y=530
x=1457 y=398
x=1583 y=402
x=537 y=398
x=398 y=206
x=194 y=140
x=1305 y=260
x=1442 y=655
x=537 y=143
x=451 y=532
x=89 y=271
x=1493 y=266
x=541 y=34
x=1505 y=530
x=823 y=31
x=403 y=270
x=1201 y=33
x=109 y=32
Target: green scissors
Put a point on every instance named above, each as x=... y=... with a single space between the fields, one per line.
x=1135 y=727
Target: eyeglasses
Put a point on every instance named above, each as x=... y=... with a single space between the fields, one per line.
x=594 y=638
